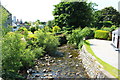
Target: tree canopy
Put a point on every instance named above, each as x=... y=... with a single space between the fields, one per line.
x=108 y=16
x=77 y=14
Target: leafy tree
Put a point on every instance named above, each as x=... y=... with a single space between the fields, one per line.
x=67 y=14
x=43 y=23
x=96 y=15
x=50 y=23
x=104 y=16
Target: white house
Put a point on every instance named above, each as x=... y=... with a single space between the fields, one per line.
x=119 y=6
x=116 y=38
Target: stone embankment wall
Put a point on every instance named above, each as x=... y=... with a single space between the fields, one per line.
x=93 y=68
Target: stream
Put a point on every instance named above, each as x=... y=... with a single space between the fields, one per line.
x=65 y=64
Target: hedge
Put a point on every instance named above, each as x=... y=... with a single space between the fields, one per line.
x=101 y=34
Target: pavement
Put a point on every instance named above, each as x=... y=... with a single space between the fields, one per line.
x=105 y=51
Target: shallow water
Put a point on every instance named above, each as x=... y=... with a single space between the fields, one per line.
x=65 y=64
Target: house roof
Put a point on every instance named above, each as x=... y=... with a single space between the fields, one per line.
x=117 y=31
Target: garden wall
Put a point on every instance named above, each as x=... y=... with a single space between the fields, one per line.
x=93 y=68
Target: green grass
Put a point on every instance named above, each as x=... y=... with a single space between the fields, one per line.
x=112 y=70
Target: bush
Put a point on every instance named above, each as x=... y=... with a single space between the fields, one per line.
x=14 y=53
x=47 y=41
x=113 y=27
x=106 y=23
x=92 y=33
x=38 y=52
x=33 y=28
x=77 y=36
x=110 y=29
x=56 y=29
x=100 y=34
x=17 y=55
x=47 y=28
x=106 y=29
x=12 y=48
x=23 y=31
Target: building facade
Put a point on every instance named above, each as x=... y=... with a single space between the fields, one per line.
x=119 y=6
x=116 y=38
x=6 y=19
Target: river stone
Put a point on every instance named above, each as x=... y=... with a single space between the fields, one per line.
x=30 y=71
x=52 y=61
x=50 y=74
x=47 y=64
x=49 y=70
x=59 y=60
x=69 y=53
x=70 y=56
x=36 y=68
x=44 y=70
x=45 y=75
x=37 y=75
x=77 y=65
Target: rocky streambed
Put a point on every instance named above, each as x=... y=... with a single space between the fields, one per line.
x=65 y=64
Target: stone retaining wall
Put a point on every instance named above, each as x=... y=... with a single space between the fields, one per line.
x=93 y=68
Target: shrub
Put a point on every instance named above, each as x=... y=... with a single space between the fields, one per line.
x=33 y=28
x=12 y=49
x=29 y=32
x=47 y=41
x=110 y=29
x=47 y=28
x=56 y=29
x=106 y=29
x=77 y=36
x=14 y=53
x=38 y=52
x=23 y=31
x=107 y=23
x=100 y=34
x=31 y=36
x=16 y=56
x=113 y=27
x=92 y=32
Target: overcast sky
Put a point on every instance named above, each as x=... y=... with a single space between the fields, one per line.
x=31 y=10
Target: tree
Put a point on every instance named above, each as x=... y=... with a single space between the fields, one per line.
x=77 y=14
x=109 y=14
x=50 y=23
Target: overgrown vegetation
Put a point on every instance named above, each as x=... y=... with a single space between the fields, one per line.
x=21 y=48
